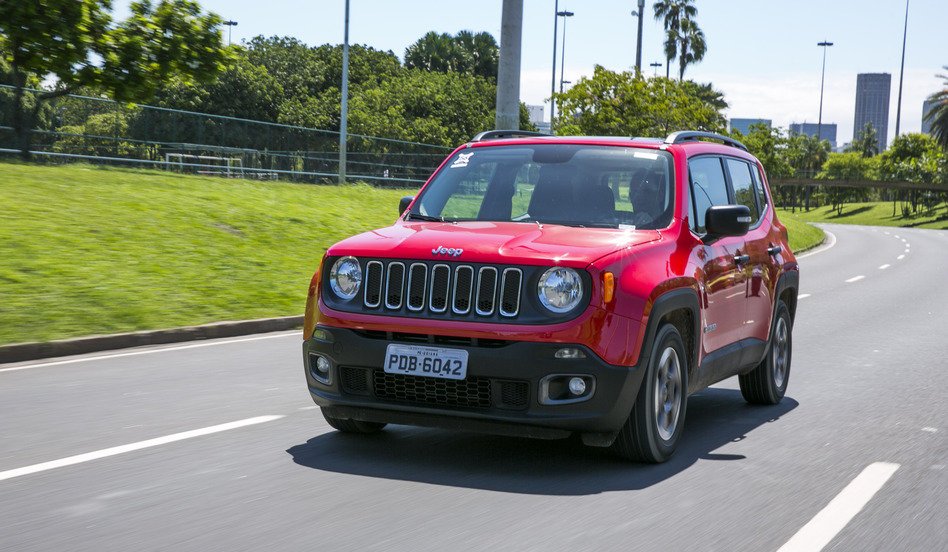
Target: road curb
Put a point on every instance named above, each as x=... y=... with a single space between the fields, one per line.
x=19 y=352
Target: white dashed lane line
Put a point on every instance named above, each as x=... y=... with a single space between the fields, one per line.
x=885 y=266
x=803 y=296
x=855 y=279
x=820 y=530
x=104 y=453
x=900 y=257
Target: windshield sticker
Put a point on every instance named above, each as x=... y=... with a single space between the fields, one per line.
x=462 y=160
x=642 y=155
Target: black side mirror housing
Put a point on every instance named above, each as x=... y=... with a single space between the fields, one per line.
x=403 y=204
x=726 y=220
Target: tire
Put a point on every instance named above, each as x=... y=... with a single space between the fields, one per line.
x=646 y=435
x=767 y=383
x=353 y=426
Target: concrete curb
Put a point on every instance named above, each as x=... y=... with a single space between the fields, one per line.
x=19 y=352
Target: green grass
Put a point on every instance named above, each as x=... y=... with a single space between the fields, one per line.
x=878 y=213
x=802 y=236
x=87 y=250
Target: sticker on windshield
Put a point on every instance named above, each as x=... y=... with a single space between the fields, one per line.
x=642 y=155
x=462 y=160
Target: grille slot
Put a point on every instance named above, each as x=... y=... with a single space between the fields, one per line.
x=486 y=288
x=417 y=284
x=440 y=283
x=463 y=286
x=510 y=292
x=514 y=394
x=473 y=392
x=394 y=284
x=373 y=284
x=355 y=381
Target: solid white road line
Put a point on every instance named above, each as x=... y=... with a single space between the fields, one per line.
x=156 y=350
x=803 y=296
x=95 y=455
x=830 y=239
x=855 y=279
x=883 y=267
x=820 y=530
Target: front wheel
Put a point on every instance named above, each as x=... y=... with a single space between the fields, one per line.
x=653 y=428
x=352 y=426
x=767 y=383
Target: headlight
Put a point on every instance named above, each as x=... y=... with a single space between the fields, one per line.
x=560 y=289
x=345 y=278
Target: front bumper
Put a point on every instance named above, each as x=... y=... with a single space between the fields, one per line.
x=501 y=394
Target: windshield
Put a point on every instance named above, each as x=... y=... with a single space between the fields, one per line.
x=576 y=185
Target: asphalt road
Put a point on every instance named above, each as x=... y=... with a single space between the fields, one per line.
x=866 y=387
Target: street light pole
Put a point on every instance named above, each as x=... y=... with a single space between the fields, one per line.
x=344 y=115
x=230 y=26
x=556 y=19
x=898 y=106
x=819 y=123
x=564 y=14
x=655 y=65
x=638 y=45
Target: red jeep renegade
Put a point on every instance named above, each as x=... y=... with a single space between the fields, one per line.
x=542 y=286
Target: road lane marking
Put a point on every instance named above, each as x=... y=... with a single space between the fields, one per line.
x=900 y=257
x=104 y=453
x=149 y=351
x=803 y=296
x=831 y=238
x=885 y=266
x=820 y=530
x=855 y=279
x=930 y=429
x=906 y=250
x=897 y=237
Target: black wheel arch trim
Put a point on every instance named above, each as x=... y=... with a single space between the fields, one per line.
x=789 y=279
x=676 y=299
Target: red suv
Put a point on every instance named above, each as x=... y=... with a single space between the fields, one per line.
x=542 y=286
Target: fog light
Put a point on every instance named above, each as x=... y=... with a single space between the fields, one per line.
x=577 y=386
x=320 y=368
x=569 y=352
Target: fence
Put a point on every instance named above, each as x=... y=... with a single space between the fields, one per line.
x=99 y=130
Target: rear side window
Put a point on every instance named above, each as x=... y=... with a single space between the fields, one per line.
x=708 y=188
x=761 y=194
x=743 y=184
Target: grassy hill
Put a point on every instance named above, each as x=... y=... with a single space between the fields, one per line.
x=877 y=213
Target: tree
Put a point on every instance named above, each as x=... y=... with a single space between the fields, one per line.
x=627 y=104
x=672 y=13
x=692 y=46
x=806 y=155
x=847 y=166
x=77 y=42
x=464 y=52
x=938 y=115
x=866 y=143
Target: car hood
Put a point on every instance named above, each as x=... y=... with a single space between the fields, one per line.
x=493 y=242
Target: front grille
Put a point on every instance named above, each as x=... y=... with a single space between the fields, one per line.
x=473 y=392
x=486 y=291
x=433 y=339
x=514 y=394
x=355 y=380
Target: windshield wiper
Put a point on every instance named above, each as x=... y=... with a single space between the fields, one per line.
x=419 y=216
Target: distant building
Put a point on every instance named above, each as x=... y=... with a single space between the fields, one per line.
x=872 y=105
x=927 y=106
x=827 y=131
x=743 y=125
x=536 y=113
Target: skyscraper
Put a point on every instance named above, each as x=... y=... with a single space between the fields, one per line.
x=872 y=105
x=743 y=125
x=828 y=131
x=926 y=108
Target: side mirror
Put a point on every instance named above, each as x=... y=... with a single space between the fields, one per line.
x=403 y=204
x=727 y=220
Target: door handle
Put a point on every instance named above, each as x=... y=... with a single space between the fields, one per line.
x=774 y=250
x=741 y=259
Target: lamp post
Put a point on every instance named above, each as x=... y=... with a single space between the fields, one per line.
x=230 y=26
x=898 y=105
x=638 y=43
x=819 y=121
x=655 y=65
x=564 y=15
x=344 y=111
x=556 y=19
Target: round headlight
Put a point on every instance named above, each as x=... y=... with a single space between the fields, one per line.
x=345 y=278
x=560 y=289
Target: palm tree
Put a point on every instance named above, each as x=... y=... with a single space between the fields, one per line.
x=866 y=142
x=692 y=45
x=672 y=12
x=938 y=114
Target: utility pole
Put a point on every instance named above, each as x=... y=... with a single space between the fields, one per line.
x=638 y=45
x=508 y=71
x=898 y=105
x=343 y=119
x=556 y=19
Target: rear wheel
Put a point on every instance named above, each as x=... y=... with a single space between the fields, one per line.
x=767 y=383
x=353 y=426
x=653 y=428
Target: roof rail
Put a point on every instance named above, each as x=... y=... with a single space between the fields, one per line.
x=695 y=135
x=498 y=134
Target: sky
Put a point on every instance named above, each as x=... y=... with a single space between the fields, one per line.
x=762 y=54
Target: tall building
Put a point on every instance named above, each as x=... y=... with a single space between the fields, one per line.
x=827 y=132
x=872 y=105
x=926 y=109
x=536 y=117
x=743 y=125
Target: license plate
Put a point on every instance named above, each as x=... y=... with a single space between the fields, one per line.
x=430 y=362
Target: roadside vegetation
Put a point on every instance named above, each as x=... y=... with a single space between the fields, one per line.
x=875 y=213
x=802 y=236
x=90 y=250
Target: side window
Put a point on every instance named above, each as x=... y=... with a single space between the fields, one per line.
x=743 y=184
x=708 y=188
x=761 y=194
